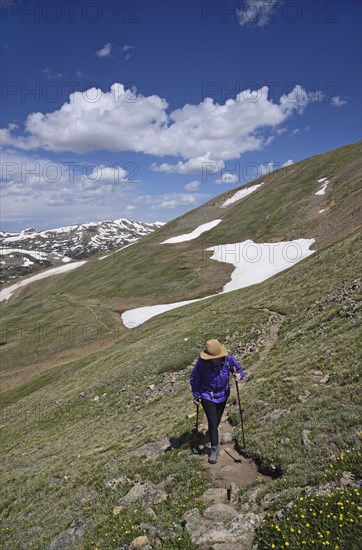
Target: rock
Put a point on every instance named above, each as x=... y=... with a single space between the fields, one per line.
x=96 y=398
x=90 y=496
x=140 y=542
x=274 y=415
x=220 y=512
x=68 y=538
x=193 y=523
x=146 y=491
x=117 y=510
x=305 y=438
x=240 y=530
x=227 y=438
x=234 y=492
x=55 y=481
x=324 y=379
x=271 y=498
x=347 y=478
x=150 y=511
x=318 y=373
x=304 y=395
x=215 y=494
x=224 y=546
x=119 y=480
x=151 y=387
x=151 y=449
x=148 y=528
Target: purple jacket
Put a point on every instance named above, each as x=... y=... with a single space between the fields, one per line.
x=210 y=381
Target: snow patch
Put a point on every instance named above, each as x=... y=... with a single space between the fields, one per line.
x=7 y=292
x=241 y=194
x=322 y=190
x=194 y=234
x=254 y=263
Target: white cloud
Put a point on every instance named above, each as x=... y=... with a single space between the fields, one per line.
x=55 y=183
x=336 y=101
x=256 y=12
x=106 y=175
x=126 y=50
x=130 y=208
x=228 y=177
x=105 y=51
x=192 y=166
x=317 y=96
x=288 y=163
x=295 y=131
x=192 y=186
x=173 y=201
x=124 y=120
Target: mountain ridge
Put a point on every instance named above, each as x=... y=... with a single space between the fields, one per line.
x=28 y=251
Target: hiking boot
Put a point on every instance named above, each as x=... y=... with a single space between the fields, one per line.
x=213 y=455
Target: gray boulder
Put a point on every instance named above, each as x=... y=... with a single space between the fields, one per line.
x=146 y=491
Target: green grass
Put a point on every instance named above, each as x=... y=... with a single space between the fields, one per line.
x=52 y=427
x=322 y=521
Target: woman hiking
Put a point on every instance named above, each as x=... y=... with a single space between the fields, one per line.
x=210 y=386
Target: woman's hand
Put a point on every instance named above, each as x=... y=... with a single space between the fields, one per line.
x=237 y=376
x=197 y=401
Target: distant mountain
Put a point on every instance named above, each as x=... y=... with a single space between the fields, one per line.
x=31 y=250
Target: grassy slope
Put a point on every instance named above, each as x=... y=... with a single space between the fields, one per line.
x=48 y=431
x=58 y=315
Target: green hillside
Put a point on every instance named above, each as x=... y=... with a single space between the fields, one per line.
x=60 y=318
x=91 y=402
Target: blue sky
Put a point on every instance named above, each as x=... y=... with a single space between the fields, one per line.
x=147 y=109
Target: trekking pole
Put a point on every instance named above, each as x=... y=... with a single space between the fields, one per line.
x=244 y=450
x=196 y=450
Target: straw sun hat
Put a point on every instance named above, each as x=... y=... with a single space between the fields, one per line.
x=213 y=350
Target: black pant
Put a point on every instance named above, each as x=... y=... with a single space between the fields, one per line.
x=213 y=413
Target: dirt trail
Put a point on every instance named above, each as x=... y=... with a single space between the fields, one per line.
x=232 y=467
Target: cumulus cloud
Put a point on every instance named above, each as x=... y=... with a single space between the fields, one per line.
x=228 y=177
x=192 y=186
x=60 y=183
x=124 y=120
x=173 y=201
x=256 y=12
x=288 y=163
x=105 y=51
x=192 y=166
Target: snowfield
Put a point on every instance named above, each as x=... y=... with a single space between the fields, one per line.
x=7 y=292
x=253 y=263
x=241 y=194
x=194 y=234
